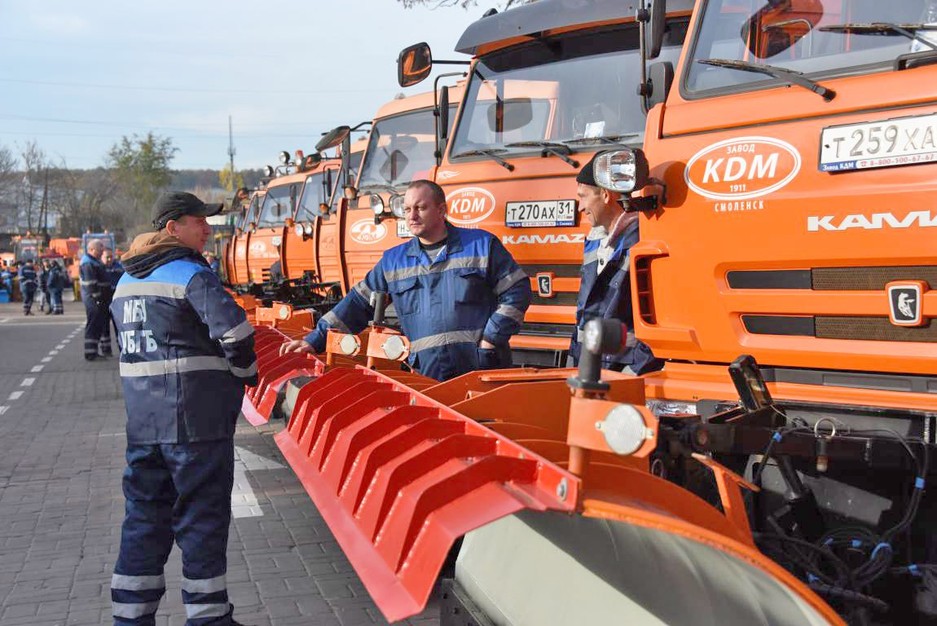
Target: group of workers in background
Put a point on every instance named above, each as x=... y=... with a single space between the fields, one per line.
x=44 y=279
x=99 y=272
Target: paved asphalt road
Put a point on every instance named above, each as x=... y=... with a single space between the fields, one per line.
x=61 y=458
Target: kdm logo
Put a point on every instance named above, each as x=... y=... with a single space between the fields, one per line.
x=742 y=168
x=469 y=205
x=367 y=232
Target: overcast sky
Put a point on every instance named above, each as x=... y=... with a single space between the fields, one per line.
x=76 y=76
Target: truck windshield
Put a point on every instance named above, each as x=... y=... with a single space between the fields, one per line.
x=316 y=191
x=279 y=204
x=250 y=213
x=819 y=38
x=399 y=148
x=577 y=89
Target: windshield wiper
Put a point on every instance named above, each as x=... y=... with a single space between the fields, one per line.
x=789 y=76
x=560 y=150
x=884 y=28
x=377 y=187
x=605 y=139
x=491 y=153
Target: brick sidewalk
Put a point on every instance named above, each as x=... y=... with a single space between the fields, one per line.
x=61 y=458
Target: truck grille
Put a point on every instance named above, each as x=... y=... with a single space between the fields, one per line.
x=832 y=278
x=839 y=327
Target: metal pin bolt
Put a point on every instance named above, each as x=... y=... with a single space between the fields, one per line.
x=561 y=490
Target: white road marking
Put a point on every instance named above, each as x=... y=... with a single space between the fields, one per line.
x=4 y=409
x=53 y=352
x=15 y=395
x=4 y=320
x=36 y=369
x=61 y=346
x=27 y=382
x=46 y=359
x=243 y=500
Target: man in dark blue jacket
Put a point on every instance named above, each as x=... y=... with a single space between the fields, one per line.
x=187 y=351
x=605 y=287
x=56 y=282
x=29 y=281
x=94 y=287
x=458 y=293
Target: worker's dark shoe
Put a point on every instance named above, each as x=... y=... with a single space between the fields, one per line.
x=90 y=357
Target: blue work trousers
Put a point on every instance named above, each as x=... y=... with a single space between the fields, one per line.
x=29 y=294
x=95 y=327
x=55 y=297
x=175 y=493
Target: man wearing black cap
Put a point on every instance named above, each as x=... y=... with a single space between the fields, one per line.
x=187 y=350
x=605 y=288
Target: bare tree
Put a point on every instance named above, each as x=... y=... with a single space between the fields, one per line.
x=465 y=4
x=34 y=161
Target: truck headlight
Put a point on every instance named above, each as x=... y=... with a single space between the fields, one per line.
x=377 y=204
x=396 y=206
x=622 y=170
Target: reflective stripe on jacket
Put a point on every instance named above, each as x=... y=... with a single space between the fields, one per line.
x=608 y=295
x=473 y=290
x=27 y=275
x=187 y=350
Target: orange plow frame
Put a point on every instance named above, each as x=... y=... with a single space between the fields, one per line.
x=399 y=477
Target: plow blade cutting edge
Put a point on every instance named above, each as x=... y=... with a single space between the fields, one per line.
x=399 y=477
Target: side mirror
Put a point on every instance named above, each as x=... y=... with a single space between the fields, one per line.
x=443 y=114
x=414 y=64
x=657 y=27
x=507 y=115
x=660 y=77
x=333 y=138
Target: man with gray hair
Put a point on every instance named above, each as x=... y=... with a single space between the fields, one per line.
x=94 y=286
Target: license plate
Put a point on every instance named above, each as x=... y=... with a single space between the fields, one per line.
x=402 y=230
x=540 y=213
x=888 y=143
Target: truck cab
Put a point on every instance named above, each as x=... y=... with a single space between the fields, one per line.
x=548 y=86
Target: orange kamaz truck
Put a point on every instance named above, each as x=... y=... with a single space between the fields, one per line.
x=402 y=144
x=785 y=268
x=549 y=84
x=778 y=469
x=236 y=255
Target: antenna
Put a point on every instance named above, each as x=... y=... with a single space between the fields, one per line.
x=231 y=152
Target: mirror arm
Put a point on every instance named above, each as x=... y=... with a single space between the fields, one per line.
x=643 y=16
x=436 y=111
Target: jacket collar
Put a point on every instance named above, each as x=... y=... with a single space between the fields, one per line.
x=453 y=244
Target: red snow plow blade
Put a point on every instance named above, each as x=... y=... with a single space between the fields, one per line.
x=273 y=372
x=399 y=477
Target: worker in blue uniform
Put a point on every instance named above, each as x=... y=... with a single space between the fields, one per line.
x=29 y=281
x=187 y=351
x=605 y=284
x=114 y=271
x=94 y=287
x=459 y=295
x=56 y=282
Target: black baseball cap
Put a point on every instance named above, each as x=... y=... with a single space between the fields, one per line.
x=174 y=204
